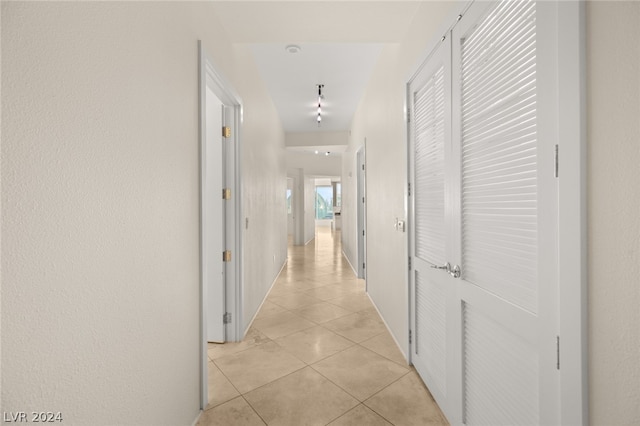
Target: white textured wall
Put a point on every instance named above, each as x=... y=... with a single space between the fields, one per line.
x=613 y=117
x=264 y=185
x=349 y=212
x=290 y=216
x=380 y=119
x=309 y=209
x=314 y=164
x=100 y=205
x=316 y=138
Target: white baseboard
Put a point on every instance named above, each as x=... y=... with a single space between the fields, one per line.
x=350 y=264
x=195 y=422
x=404 y=355
x=246 y=330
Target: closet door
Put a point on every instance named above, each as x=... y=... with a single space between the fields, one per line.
x=504 y=143
x=429 y=95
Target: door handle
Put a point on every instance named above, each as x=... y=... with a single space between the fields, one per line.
x=446 y=267
x=455 y=272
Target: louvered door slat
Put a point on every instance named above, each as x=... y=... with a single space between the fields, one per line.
x=499 y=154
x=511 y=109
x=428 y=124
x=500 y=68
x=491 y=351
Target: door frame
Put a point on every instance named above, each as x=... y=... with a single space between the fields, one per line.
x=361 y=191
x=572 y=213
x=572 y=205
x=209 y=77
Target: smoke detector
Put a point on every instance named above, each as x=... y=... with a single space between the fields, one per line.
x=293 y=48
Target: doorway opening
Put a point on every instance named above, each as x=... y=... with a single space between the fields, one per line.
x=220 y=231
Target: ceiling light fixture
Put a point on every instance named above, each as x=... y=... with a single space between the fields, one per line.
x=320 y=98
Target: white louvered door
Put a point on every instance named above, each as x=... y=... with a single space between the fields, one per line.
x=505 y=141
x=430 y=145
x=484 y=199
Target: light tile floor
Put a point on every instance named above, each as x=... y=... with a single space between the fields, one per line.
x=316 y=354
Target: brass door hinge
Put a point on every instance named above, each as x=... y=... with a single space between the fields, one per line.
x=226 y=194
x=226 y=132
x=226 y=256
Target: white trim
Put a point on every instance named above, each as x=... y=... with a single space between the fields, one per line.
x=234 y=330
x=195 y=422
x=404 y=355
x=361 y=209
x=204 y=398
x=350 y=264
x=572 y=219
x=210 y=77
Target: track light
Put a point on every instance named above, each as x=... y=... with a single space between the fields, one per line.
x=320 y=97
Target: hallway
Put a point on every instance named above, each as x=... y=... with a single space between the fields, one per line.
x=316 y=354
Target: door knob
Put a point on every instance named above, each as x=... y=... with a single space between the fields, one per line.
x=455 y=272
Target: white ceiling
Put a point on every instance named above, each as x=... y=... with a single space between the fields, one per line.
x=340 y=40
x=291 y=79
x=315 y=21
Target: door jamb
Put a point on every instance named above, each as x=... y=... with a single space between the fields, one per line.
x=209 y=76
x=361 y=192
x=572 y=213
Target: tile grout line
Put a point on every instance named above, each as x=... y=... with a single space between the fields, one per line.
x=292 y=268
x=254 y=410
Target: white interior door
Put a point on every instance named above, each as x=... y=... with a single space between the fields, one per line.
x=505 y=95
x=214 y=220
x=429 y=98
x=485 y=209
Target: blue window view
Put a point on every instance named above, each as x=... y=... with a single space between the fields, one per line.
x=324 y=202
